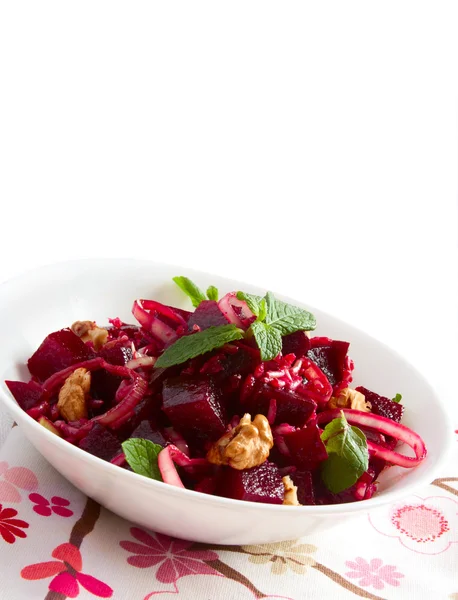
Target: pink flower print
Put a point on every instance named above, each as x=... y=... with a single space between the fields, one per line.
x=67 y=574
x=424 y=525
x=12 y=478
x=46 y=508
x=170 y=554
x=373 y=573
x=11 y=528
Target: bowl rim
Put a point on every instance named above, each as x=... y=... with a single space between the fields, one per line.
x=380 y=499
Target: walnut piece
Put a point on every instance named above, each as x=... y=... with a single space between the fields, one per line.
x=349 y=398
x=247 y=445
x=290 y=492
x=89 y=331
x=73 y=395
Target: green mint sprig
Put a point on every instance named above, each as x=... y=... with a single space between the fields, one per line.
x=348 y=456
x=212 y=293
x=194 y=292
x=397 y=398
x=193 y=345
x=141 y=455
x=274 y=319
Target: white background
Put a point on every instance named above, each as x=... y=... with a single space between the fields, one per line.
x=310 y=148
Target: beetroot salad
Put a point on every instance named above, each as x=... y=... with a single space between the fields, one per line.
x=235 y=399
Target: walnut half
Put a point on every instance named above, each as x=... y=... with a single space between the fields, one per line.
x=89 y=331
x=349 y=398
x=247 y=445
x=73 y=395
x=290 y=492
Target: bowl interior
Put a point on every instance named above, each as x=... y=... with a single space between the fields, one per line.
x=53 y=297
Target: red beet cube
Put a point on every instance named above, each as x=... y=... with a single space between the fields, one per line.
x=382 y=406
x=306 y=448
x=303 y=481
x=27 y=395
x=207 y=314
x=330 y=356
x=297 y=343
x=259 y=484
x=58 y=351
x=193 y=406
x=292 y=408
x=146 y=430
x=101 y=442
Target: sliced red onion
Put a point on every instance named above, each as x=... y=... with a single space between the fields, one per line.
x=283 y=428
x=117 y=415
x=122 y=391
x=241 y=317
x=167 y=468
x=141 y=361
x=40 y=410
x=59 y=378
x=177 y=439
x=148 y=321
x=165 y=311
x=386 y=427
x=182 y=460
x=73 y=433
x=119 y=459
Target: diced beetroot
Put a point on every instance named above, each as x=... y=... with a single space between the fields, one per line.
x=101 y=442
x=303 y=481
x=117 y=352
x=207 y=314
x=27 y=395
x=258 y=484
x=241 y=361
x=148 y=431
x=331 y=357
x=59 y=350
x=383 y=406
x=297 y=343
x=292 y=408
x=194 y=408
x=305 y=447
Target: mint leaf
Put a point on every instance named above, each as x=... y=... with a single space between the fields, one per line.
x=141 y=455
x=198 y=343
x=262 y=310
x=268 y=340
x=212 y=293
x=274 y=320
x=253 y=302
x=287 y=318
x=348 y=456
x=190 y=289
x=397 y=398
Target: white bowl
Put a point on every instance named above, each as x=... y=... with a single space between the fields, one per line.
x=53 y=297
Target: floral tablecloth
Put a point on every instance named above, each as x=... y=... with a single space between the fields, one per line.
x=56 y=543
